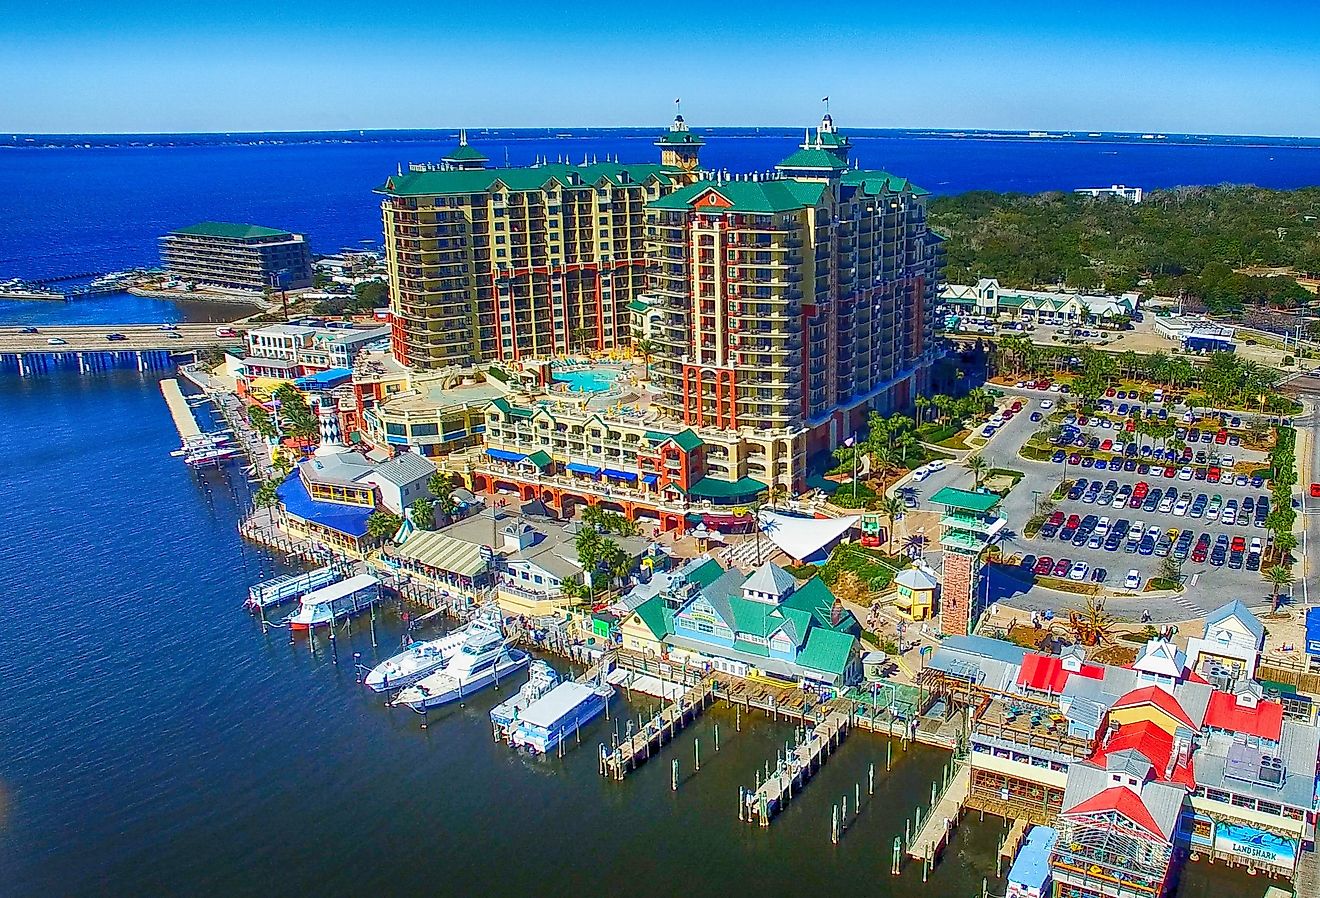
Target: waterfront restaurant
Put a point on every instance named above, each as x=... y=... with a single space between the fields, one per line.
x=764 y=625
x=1136 y=765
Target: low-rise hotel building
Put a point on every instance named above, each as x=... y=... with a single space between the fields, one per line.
x=988 y=299
x=237 y=256
x=1137 y=766
x=289 y=351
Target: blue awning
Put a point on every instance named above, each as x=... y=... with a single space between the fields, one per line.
x=620 y=475
x=579 y=468
x=504 y=455
x=651 y=478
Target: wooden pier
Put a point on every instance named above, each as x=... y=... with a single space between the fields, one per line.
x=773 y=795
x=935 y=831
x=663 y=727
x=180 y=411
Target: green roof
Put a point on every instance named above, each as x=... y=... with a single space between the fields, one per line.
x=826 y=650
x=658 y=619
x=710 y=488
x=509 y=408
x=874 y=183
x=816 y=598
x=226 y=229
x=465 y=153
x=638 y=305
x=706 y=574
x=683 y=138
x=540 y=458
x=815 y=159
x=686 y=439
x=525 y=179
x=965 y=499
x=782 y=195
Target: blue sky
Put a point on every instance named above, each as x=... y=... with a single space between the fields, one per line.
x=236 y=65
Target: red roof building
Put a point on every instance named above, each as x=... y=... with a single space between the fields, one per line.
x=1046 y=673
x=1155 y=744
x=1264 y=720
x=1124 y=801
x=1154 y=695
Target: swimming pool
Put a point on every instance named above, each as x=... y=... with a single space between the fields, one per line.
x=587 y=380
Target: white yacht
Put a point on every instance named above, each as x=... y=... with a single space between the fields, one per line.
x=418 y=660
x=541 y=678
x=484 y=659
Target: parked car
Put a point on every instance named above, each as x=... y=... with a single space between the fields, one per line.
x=1132 y=580
x=1044 y=566
x=1062 y=567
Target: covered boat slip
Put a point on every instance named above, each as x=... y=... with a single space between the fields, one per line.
x=568 y=706
x=288 y=587
x=357 y=586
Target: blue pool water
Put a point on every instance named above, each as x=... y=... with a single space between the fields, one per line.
x=588 y=380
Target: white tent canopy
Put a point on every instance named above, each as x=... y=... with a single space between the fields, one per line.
x=801 y=538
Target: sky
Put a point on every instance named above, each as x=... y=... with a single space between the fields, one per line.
x=143 y=66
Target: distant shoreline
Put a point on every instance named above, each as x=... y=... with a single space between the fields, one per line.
x=514 y=135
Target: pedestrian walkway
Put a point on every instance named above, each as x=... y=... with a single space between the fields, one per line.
x=1191 y=607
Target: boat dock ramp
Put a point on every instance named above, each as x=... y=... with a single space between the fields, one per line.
x=932 y=834
x=796 y=767
x=651 y=736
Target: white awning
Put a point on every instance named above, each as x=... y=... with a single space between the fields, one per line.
x=801 y=538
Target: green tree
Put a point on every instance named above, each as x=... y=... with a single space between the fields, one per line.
x=1279 y=578
x=370 y=295
x=891 y=507
x=978 y=466
x=261 y=422
x=423 y=514
x=295 y=414
x=266 y=495
x=383 y=524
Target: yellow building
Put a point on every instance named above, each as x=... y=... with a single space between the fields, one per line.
x=914 y=593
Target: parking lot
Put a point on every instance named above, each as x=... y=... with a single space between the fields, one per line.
x=1207 y=584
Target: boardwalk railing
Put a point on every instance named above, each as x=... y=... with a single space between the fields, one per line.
x=651 y=736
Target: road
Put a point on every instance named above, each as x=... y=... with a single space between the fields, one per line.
x=1308 y=463
x=93 y=337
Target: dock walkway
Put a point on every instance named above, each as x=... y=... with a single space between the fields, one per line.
x=773 y=795
x=180 y=411
x=937 y=828
x=673 y=717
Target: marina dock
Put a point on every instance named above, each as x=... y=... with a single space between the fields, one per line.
x=935 y=831
x=654 y=733
x=180 y=411
x=788 y=779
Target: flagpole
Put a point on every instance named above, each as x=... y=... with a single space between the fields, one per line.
x=854 y=449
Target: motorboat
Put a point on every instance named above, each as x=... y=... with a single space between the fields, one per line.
x=541 y=678
x=418 y=660
x=484 y=659
x=560 y=714
x=326 y=605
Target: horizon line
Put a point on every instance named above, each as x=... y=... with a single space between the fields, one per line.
x=1065 y=133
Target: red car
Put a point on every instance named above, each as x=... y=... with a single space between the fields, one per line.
x=1017 y=406
x=1130 y=426
x=1199 y=553
x=1044 y=565
x=1170 y=471
x=1110 y=392
x=1221 y=437
x=1062 y=567
x=1239 y=544
x=1106 y=445
x=1056 y=519
x=1315 y=491
x=1074 y=521
x=1140 y=490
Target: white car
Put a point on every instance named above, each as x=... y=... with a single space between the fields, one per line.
x=1226 y=461
x=937 y=465
x=1056 y=388
x=1255 y=544
x=1079 y=571
x=1046 y=404
x=169 y=327
x=1132 y=580
x=1102 y=526
x=1185 y=474
x=1180 y=509
x=920 y=474
x=56 y=341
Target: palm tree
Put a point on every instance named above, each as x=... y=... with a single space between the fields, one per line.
x=423 y=514
x=775 y=494
x=644 y=348
x=923 y=406
x=1279 y=578
x=383 y=524
x=904 y=444
x=978 y=466
x=1284 y=543
x=579 y=336
x=891 y=507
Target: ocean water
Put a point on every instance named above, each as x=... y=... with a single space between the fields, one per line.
x=81 y=206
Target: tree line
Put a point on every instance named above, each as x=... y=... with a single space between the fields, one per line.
x=1186 y=241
